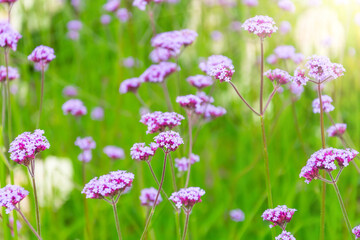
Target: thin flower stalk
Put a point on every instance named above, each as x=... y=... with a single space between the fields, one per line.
x=42 y=94
x=28 y=223
x=31 y=169
x=186 y=224
x=190 y=147
x=113 y=203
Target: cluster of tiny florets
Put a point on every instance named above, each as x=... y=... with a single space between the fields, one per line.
x=130 y=85
x=336 y=130
x=42 y=54
x=325 y=159
x=25 y=146
x=263 y=26
x=356 y=232
x=108 y=185
x=326 y=104
x=141 y=152
x=285 y=236
x=74 y=107
x=86 y=144
x=114 y=152
x=200 y=81
x=12 y=73
x=141 y=4
x=158 y=72
x=279 y=215
x=296 y=89
x=322 y=69
x=169 y=140
x=237 y=215
x=278 y=75
x=174 y=40
x=182 y=164
x=8 y=36
x=10 y=195
x=209 y=111
x=148 y=195
x=300 y=77
x=187 y=197
x=189 y=102
x=160 y=121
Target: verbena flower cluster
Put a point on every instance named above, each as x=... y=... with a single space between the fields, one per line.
x=189 y=102
x=322 y=69
x=10 y=195
x=326 y=104
x=325 y=159
x=42 y=54
x=169 y=141
x=182 y=164
x=336 y=130
x=285 y=52
x=25 y=146
x=200 y=81
x=114 y=152
x=279 y=216
x=70 y=91
x=218 y=65
x=285 y=236
x=12 y=74
x=141 y=4
x=279 y=76
x=148 y=195
x=300 y=77
x=130 y=85
x=174 y=40
x=108 y=185
x=74 y=107
x=157 y=73
x=141 y=152
x=8 y=36
x=187 y=197
x=86 y=144
x=160 y=121
x=237 y=215
x=262 y=26
x=356 y=232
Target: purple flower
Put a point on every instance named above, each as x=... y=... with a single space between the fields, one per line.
x=209 y=111
x=326 y=104
x=74 y=25
x=298 y=58
x=279 y=76
x=285 y=236
x=174 y=40
x=159 y=121
x=263 y=26
x=285 y=27
x=123 y=15
x=86 y=143
x=42 y=54
x=141 y=152
x=296 y=89
x=85 y=156
x=25 y=146
x=160 y=54
x=214 y=61
x=70 y=91
x=272 y=59
x=204 y=98
x=187 y=197
x=237 y=215
x=169 y=140
x=12 y=74
x=285 y=51
x=108 y=185
x=10 y=195
x=97 y=114
x=325 y=159
x=130 y=85
x=112 y=5
x=336 y=130
x=250 y=3
x=182 y=164
x=356 y=231
x=9 y=37
x=322 y=69
x=105 y=19
x=278 y=216
x=300 y=77
x=114 y=152
x=148 y=195
x=129 y=62
x=7 y=1
x=75 y=107
x=158 y=72
x=286 y=5
x=73 y=35
x=189 y=102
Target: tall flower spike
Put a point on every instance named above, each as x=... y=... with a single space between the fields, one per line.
x=279 y=215
x=326 y=102
x=25 y=146
x=10 y=195
x=147 y=197
x=262 y=26
x=169 y=141
x=187 y=197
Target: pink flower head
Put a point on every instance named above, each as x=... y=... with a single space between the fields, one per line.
x=212 y=112
x=129 y=62
x=235 y=26
x=237 y=215
x=9 y=37
x=298 y=58
x=97 y=114
x=10 y=195
x=336 y=130
x=285 y=236
x=42 y=54
x=160 y=121
x=105 y=19
x=284 y=51
x=160 y=54
x=25 y=146
x=86 y=143
x=326 y=102
x=70 y=91
x=279 y=215
x=158 y=73
x=322 y=69
x=300 y=77
x=279 y=76
x=85 y=156
x=112 y=5
x=123 y=15
x=75 y=107
x=187 y=197
x=73 y=35
x=12 y=74
x=286 y=5
x=222 y=72
x=356 y=231
x=141 y=152
x=74 y=25
x=108 y=185
x=174 y=40
x=263 y=26
x=285 y=27
x=169 y=140
x=148 y=195
x=272 y=59
x=7 y=1
x=130 y=85
x=189 y=102
x=296 y=89
x=76 y=4
x=250 y=3
x=182 y=164
x=325 y=159
x=114 y=152
x=215 y=61
x=141 y=4
x=204 y=98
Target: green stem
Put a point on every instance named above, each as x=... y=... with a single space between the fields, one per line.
x=42 y=94
x=261 y=75
x=190 y=148
x=28 y=223
x=31 y=169
x=167 y=96
x=186 y=224
x=116 y=220
x=86 y=208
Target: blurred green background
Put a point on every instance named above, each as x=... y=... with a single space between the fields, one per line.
x=231 y=168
